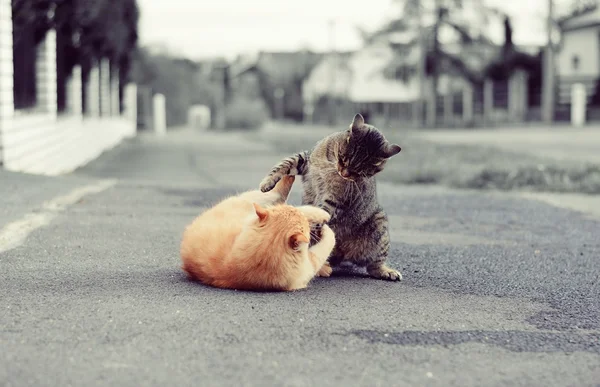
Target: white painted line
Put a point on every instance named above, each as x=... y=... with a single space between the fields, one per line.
x=14 y=234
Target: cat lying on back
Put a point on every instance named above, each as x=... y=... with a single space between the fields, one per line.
x=254 y=241
x=339 y=176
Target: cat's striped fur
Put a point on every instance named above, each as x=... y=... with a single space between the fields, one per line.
x=338 y=175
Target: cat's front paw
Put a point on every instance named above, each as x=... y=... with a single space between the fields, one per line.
x=268 y=183
x=325 y=271
x=315 y=215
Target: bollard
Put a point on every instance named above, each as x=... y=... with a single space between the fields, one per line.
x=131 y=108
x=578 y=104
x=160 y=116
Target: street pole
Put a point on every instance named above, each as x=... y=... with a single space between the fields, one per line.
x=549 y=79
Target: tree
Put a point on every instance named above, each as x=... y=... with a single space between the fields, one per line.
x=424 y=20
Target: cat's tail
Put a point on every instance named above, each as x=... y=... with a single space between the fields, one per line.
x=295 y=165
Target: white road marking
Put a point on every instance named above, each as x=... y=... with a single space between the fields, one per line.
x=14 y=234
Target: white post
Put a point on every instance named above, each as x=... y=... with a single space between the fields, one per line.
x=488 y=100
x=93 y=91
x=160 y=116
x=7 y=106
x=517 y=93
x=115 y=109
x=45 y=74
x=130 y=95
x=467 y=103
x=449 y=107
x=578 y=104
x=105 y=87
x=74 y=98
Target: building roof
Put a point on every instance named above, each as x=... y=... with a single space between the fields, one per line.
x=583 y=18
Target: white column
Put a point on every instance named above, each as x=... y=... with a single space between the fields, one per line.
x=115 y=108
x=578 y=104
x=74 y=97
x=467 y=103
x=449 y=107
x=93 y=91
x=488 y=100
x=7 y=106
x=45 y=74
x=105 y=87
x=130 y=105
x=160 y=116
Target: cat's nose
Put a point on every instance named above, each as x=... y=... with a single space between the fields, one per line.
x=345 y=173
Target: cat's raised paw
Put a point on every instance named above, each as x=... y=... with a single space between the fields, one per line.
x=385 y=273
x=325 y=271
x=268 y=183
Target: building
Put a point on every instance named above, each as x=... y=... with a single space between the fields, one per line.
x=38 y=134
x=578 y=57
x=278 y=77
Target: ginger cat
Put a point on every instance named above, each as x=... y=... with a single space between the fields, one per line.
x=254 y=241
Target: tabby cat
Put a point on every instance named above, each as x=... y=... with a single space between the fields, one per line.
x=254 y=241
x=339 y=176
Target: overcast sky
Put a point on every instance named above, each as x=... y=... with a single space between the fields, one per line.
x=208 y=28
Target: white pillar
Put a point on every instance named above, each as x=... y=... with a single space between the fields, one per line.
x=105 y=87
x=449 y=107
x=7 y=106
x=130 y=105
x=115 y=108
x=74 y=97
x=488 y=100
x=517 y=89
x=467 y=103
x=160 y=116
x=578 y=104
x=93 y=91
x=45 y=74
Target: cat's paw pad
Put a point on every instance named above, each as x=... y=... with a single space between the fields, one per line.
x=325 y=271
x=386 y=273
x=268 y=183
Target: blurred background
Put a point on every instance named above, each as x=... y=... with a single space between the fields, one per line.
x=122 y=67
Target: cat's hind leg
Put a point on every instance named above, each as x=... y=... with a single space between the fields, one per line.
x=376 y=266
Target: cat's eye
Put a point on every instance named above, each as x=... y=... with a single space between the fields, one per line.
x=379 y=163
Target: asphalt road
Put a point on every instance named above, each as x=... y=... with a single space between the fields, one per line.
x=497 y=290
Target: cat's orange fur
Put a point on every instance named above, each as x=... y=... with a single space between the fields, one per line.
x=254 y=241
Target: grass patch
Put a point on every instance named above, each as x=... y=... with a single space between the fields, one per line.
x=462 y=166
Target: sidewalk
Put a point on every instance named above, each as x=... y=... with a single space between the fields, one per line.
x=562 y=143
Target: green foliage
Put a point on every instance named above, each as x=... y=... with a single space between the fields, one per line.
x=246 y=114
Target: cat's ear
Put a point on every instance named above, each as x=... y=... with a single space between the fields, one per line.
x=297 y=240
x=357 y=122
x=260 y=212
x=391 y=150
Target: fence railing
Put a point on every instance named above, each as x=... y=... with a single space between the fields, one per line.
x=494 y=103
